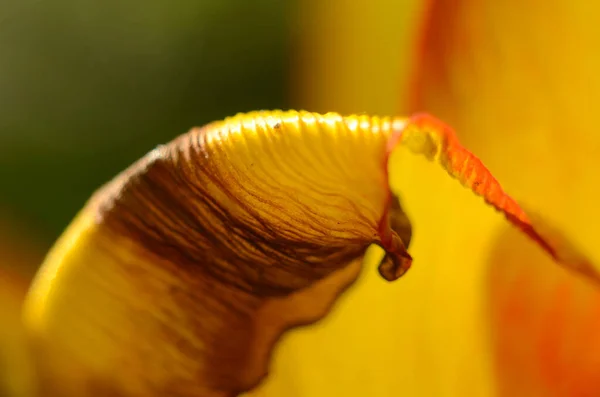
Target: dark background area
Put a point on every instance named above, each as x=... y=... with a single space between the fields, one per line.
x=88 y=87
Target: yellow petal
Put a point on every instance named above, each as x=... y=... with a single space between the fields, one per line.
x=185 y=269
x=544 y=325
x=351 y=56
x=519 y=83
x=426 y=135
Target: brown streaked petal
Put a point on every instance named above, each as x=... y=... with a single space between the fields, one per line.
x=294 y=194
x=185 y=270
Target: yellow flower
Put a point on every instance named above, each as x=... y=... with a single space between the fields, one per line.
x=179 y=276
x=187 y=267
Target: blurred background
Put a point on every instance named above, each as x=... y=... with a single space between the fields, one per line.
x=87 y=87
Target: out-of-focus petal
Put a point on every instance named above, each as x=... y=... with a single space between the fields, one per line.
x=519 y=82
x=430 y=137
x=544 y=324
x=523 y=98
x=353 y=56
x=15 y=371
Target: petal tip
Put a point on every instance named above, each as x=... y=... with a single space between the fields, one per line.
x=395 y=265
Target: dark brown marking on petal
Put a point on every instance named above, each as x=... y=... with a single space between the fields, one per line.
x=397 y=260
x=171 y=206
x=239 y=255
x=392 y=267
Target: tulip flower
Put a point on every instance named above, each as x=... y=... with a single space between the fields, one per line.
x=187 y=267
x=180 y=275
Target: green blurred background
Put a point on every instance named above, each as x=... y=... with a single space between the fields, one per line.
x=87 y=87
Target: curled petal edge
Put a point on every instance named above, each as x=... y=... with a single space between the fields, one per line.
x=423 y=134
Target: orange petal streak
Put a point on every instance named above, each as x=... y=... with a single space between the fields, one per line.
x=545 y=324
x=426 y=135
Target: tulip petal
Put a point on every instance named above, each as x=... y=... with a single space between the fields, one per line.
x=519 y=81
x=188 y=267
x=544 y=325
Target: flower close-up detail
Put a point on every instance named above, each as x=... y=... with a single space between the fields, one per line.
x=206 y=240
x=423 y=225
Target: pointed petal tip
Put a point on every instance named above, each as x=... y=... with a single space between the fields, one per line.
x=395 y=265
x=396 y=261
